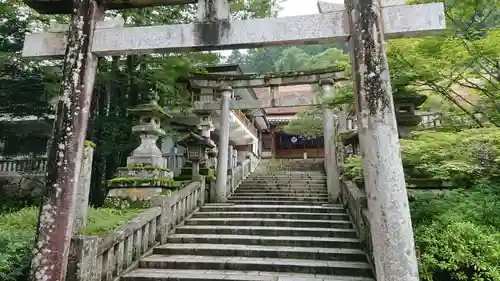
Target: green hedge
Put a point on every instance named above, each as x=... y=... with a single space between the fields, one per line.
x=458 y=234
x=18 y=229
x=463 y=159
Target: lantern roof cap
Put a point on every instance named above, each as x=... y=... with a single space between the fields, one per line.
x=196 y=139
x=149 y=109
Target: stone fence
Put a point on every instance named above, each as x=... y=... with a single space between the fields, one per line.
x=235 y=176
x=24 y=164
x=106 y=259
x=240 y=173
x=355 y=202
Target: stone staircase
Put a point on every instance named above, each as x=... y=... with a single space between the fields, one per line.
x=276 y=226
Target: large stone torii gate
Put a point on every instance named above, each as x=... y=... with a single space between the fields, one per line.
x=326 y=78
x=364 y=24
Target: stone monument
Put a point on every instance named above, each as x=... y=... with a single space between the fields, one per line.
x=146 y=173
x=405 y=103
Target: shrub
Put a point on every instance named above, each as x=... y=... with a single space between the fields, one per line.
x=454 y=249
x=458 y=233
x=462 y=158
x=17 y=233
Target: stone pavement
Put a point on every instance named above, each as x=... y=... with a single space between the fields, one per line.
x=276 y=226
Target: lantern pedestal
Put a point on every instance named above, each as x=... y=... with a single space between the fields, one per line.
x=146 y=174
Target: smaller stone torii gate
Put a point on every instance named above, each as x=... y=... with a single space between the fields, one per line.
x=363 y=23
x=227 y=82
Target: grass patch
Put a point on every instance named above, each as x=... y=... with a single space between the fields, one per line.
x=100 y=221
x=103 y=221
x=18 y=229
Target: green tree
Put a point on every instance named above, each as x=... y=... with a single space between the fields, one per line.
x=236 y=57
x=26 y=87
x=292 y=59
x=467 y=55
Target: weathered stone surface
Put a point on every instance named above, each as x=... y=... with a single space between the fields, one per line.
x=118 y=22
x=328 y=7
x=212 y=10
x=392 y=235
x=260 y=242
x=135 y=193
x=147 y=152
x=223 y=156
x=119 y=235
x=406 y=20
x=280 y=79
x=56 y=216
x=329 y=134
x=82 y=258
x=20 y=187
x=82 y=194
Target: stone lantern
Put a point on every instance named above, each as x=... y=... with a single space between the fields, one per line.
x=146 y=173
x=196 y=147
x=149 y=129
x=406 y=102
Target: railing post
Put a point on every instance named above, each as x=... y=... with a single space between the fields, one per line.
x=82 y=262
x=163 y=226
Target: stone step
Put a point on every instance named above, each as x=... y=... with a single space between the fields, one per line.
x=274 y=208
x=264 y=181
x=293 y=241
x=279 y=198
x=285 y=189
x=267 y=231
x=283 y=215
x=270 y=222
x=286 y=177
x=146 y=274
x=279 y=193
x=257 y=264
x=256 y=251
x=284 y=182
x=287 y=186
x=280 y=202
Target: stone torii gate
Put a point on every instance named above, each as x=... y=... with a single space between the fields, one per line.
x=324 y=77
x=365 y=23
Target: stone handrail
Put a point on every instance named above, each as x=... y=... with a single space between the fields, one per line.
x=246 y=168
x=254 y=161
x=106 y=259
x=23 y=165
x=355 y=201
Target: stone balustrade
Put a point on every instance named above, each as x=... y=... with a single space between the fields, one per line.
x=106 y=259
x=239 y=173
x=355 y=201
x=236 y=176
x=27 y=165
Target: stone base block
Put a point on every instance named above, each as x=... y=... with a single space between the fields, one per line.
x=154 y=160
x=135 y=193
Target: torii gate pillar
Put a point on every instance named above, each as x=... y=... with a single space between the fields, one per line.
x=56 y=216
x=329 y=135
x=392 y=234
